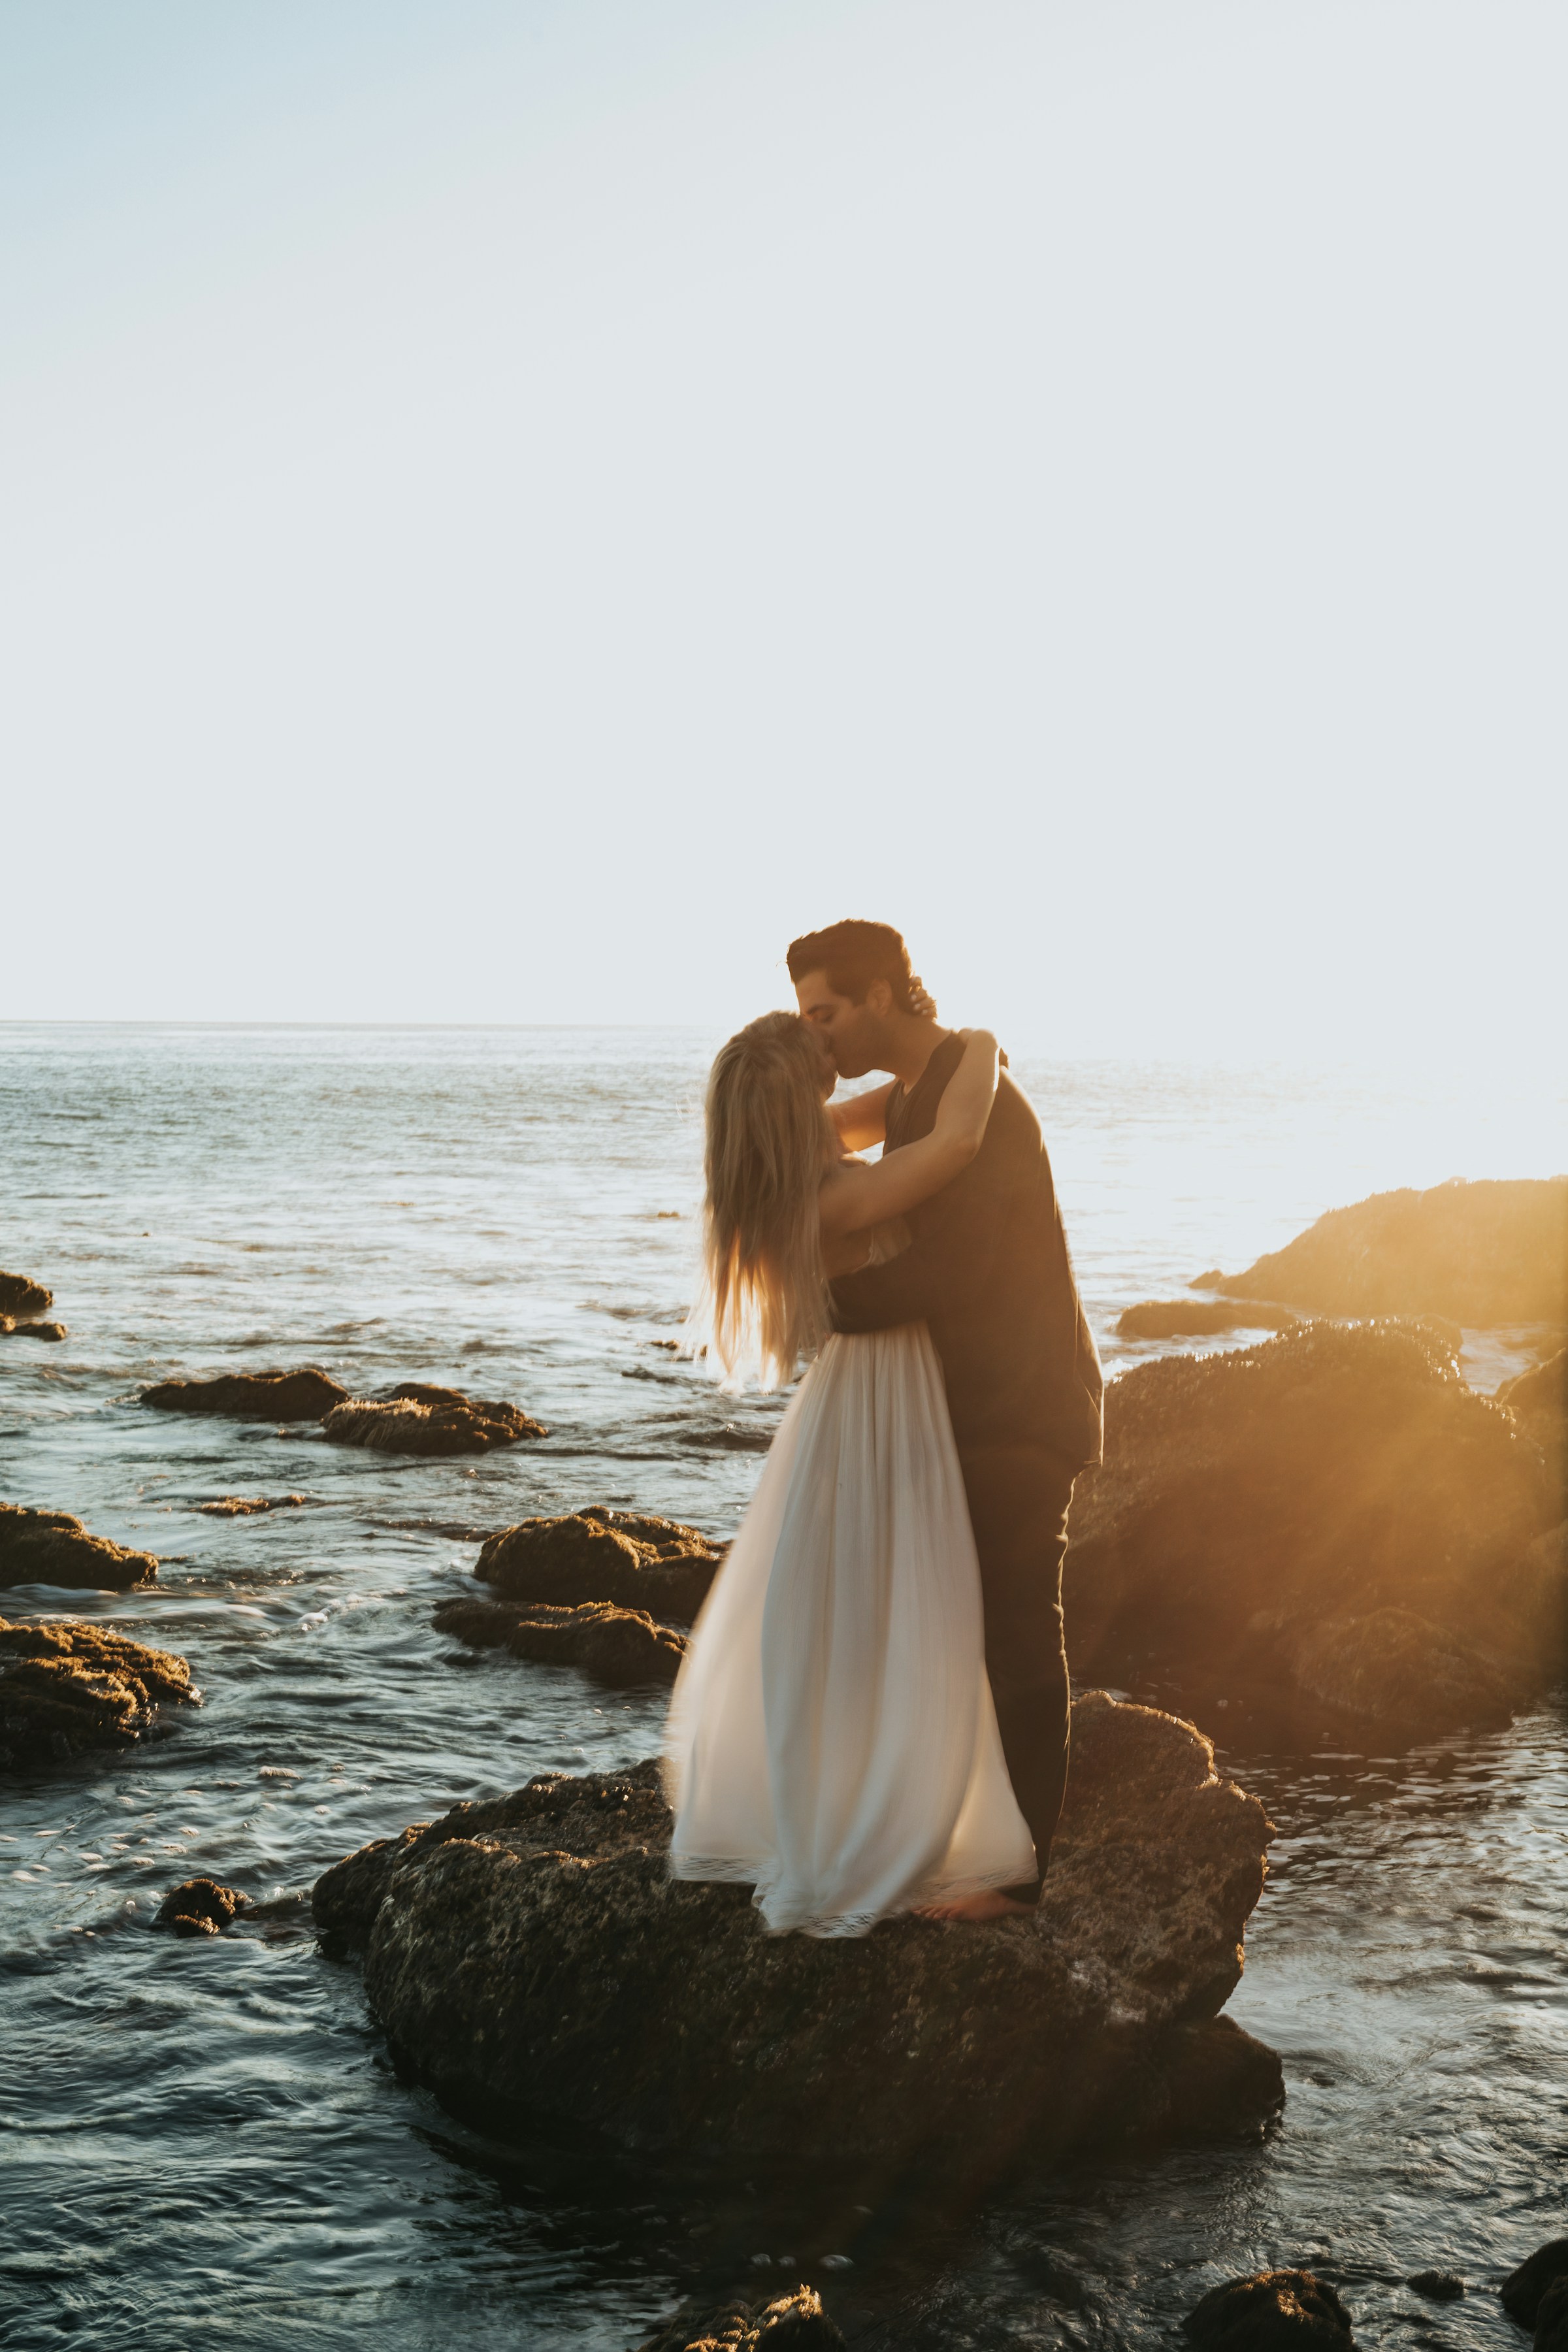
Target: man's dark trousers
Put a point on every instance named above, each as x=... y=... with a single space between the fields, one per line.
x=1019 y=1498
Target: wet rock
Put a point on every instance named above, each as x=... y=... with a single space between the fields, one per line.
x=417 y=1418
x=11 y=1329
x=621 y=1647
x=51 y=1547
x=21 y=1296
x=632 y=1560
x=1206 y=2080
x=66 y=1688
x=1185 y=1319
x=1523 y=2290
x=1437 y=2287
x=531 y=1953
x=1333 y=1514
x=245 y=1507
x=304 y=1395
x=1291 y=2309
x=1551 y=2319
x=200 y=1907
x=791 y=2323
x=1482 y=1254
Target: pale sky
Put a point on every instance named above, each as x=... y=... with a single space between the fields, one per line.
x=512 y=510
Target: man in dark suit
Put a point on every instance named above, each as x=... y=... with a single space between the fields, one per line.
x=988 y=1273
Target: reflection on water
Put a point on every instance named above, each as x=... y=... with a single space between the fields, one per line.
x=212 y=2135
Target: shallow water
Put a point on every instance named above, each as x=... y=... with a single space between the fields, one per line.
x=211 y=2134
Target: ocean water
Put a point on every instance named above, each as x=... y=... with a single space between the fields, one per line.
x=210 y=2136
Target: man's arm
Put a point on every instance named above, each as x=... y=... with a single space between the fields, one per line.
x=879 y=1296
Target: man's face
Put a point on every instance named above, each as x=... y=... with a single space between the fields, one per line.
x=854 y=1036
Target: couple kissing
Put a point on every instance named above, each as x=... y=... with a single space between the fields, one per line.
x=873 y=1714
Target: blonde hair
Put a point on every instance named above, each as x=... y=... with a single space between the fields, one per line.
x=769 y=1140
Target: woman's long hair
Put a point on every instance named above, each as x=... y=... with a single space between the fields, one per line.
x=769 y=1142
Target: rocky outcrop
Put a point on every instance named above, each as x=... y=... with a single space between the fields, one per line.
x=200 y=1907
x=11 y=1329
x=1195 y=1318
x=621 y=1647
x=789 y=2323
x=1483 y=1254
x=21 y=1296
x=246 y=1507
x=659 y=1568
x=66 y=1688
x=304 y=1395
x=1275 y=2311
x=1333 y=1513
x=531 y=1953
x=417 y=1418
x=51 y=1547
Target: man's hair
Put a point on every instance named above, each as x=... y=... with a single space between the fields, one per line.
x=851 y=956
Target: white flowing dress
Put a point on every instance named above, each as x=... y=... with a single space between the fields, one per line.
x=831 y=1739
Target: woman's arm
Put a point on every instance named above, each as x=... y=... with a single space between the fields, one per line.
x=863 y=1120
x=854 y=1197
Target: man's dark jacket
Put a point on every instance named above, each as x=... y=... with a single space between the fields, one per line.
x=988 y=1271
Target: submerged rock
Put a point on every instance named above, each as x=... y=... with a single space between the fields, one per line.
x=1482 y=1254
x=51 y=1547
x=1193 y=1318
x=1524 y=2289
x=1332 y=1512
x=20 y=1295
x=245 y=1507
x=417 y=1418
x=660 y=1567
x=619 y=1646
x=1437 y=2287
x=66 y=1687
x=1291 y=2309
x=531 y=1953
x=200 y=1907
x=11 y=1329
x=304 y=1395
x=789 y=2323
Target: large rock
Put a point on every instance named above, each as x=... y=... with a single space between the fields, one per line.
x=659 y=1567
x=1332 y=1513
x=21 y=1296
x=1481 y=1254
x=11 y=1329
x=304 y=1395
x=1525 y=2289
x=68 y=1687
x=533 y=1954
x=789 y=2322
x=621 y=1647
x=51 y=1547
x=417 y=1418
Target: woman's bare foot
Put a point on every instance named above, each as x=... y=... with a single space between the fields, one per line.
x=993 y=1904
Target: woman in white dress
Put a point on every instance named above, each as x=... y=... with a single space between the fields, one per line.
x=831 y=1740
